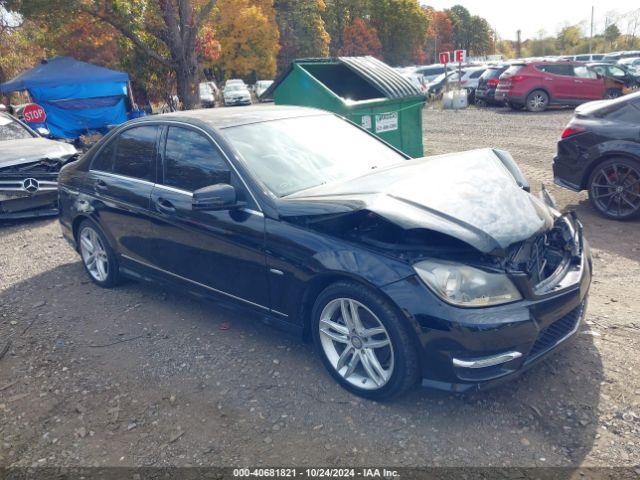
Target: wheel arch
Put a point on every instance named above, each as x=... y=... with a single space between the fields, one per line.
x=321 y=281
x=584 y=183
x=535 y=89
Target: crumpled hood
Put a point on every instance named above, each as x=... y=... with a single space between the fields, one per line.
x=472 y=196
x=15 y=152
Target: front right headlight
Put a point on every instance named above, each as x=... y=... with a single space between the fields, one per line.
x=466 y=286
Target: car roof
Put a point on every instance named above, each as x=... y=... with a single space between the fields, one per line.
x=235 y=116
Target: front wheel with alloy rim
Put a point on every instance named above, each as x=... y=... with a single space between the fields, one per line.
x=614 y=188
x=363 y=342
x=537 y=101
x=98 y=258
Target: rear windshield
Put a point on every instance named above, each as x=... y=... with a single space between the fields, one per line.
x=492 y=73
x=513 y=69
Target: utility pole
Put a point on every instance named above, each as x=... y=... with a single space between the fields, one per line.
x=591 y=34
x=518 y=45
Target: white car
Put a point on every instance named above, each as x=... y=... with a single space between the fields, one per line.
x=236 y=94
x=234 y=81
x=632 y=63
x=207 y=93
x=261 y=87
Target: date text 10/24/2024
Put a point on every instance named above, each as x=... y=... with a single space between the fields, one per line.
x=315 y=472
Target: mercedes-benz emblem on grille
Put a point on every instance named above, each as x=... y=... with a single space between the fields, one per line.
x=31 y=185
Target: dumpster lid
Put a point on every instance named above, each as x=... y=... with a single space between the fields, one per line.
x=384 y=78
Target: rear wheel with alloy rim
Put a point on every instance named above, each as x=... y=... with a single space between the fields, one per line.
x=363 y=342
x=537 y=101
x=97 y=256
x=613 y=93
x=614 y=188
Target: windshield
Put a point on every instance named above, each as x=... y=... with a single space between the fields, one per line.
x=12 y=130
x=233 y=88
x=299 y=153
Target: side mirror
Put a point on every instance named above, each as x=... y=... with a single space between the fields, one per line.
x=43 y=132
x=221 y=196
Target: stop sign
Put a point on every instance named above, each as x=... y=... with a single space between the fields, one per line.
x=34 y=113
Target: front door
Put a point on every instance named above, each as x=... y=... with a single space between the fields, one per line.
x=222 y=251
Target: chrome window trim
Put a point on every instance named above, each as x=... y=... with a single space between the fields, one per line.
x=148 y=265
x=174 y=189
x=123 y=177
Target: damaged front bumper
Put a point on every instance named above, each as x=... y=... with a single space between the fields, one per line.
x=475 y=348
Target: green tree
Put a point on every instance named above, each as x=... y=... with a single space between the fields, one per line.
x=569 y=38
x=402 y=28
x=302 y=30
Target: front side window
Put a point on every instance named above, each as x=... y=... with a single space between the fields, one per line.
x=192 y=162
x=616 y=72
x=584 y=72
x=295 y=154
x=136 y=153
x=12 y=130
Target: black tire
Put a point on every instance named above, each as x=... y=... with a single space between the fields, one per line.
x=515 y=106
x=537 y=101
x=613 y=93
x=112 y=277
x=403 y=352
x=614 y=188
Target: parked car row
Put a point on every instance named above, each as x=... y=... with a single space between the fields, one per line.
x=234 y=92
x=536 y=85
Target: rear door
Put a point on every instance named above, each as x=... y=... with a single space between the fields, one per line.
x=558 y=79
x=220 y=250
x=122 y=175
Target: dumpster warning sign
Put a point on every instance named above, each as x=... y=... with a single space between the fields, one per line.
x=386 y=122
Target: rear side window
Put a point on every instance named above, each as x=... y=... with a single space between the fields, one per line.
x=557 y=69
x=616 y=72
x=136 y=153
x=103 y=161
x=191 y=161
x=492 y=73
x=582 y=58
x=627 y=113
x=584 y=72
x=513 y=69
x=476 y=74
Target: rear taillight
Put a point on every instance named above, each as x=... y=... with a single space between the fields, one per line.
x=571 y=130
x=517 y=78
x=493 y=82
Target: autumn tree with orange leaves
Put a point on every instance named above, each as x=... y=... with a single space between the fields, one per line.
x=360 y=39
x=249 y=38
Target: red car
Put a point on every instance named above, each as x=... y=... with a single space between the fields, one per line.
x=536 y=85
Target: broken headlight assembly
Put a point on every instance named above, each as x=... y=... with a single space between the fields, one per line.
x=466 y=286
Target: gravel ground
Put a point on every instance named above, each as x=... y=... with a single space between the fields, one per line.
x=141 y=376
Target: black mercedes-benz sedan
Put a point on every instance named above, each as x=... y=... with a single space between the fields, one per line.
x=29 y=166
x=599 y=151
x=441 y=269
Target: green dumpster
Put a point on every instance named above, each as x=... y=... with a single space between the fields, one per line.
x=362 y=89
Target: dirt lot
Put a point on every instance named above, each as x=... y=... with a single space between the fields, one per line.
x=143 y=376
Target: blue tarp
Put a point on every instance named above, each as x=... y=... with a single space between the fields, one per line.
x=76 y=96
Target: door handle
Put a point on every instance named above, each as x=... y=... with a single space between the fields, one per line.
x=548 y=78
x=100 y=185
x=578 y=81
x=165 y=205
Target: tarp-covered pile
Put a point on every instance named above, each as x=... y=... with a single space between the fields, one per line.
x=78 y=97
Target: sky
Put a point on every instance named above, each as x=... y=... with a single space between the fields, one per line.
x=549 y=15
